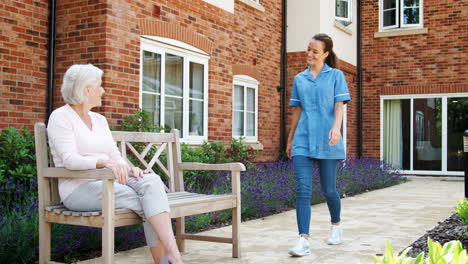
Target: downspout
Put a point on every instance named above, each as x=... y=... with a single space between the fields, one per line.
x=283 y=78
x=51 y=61
x=359 y=76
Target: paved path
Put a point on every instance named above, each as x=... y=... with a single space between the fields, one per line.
x=399 y=214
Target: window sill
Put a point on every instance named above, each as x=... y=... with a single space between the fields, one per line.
x=253 y=4
x=341 y=27
x=400 y=32
x=195 y=143
x=255 y=145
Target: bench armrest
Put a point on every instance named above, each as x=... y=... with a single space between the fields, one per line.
x=233 y=166
x=98 y=174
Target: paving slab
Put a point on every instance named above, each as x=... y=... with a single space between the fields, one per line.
x=400 y=214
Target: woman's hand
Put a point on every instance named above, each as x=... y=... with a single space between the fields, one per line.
x=334 y=135
x=288 y=149
x=136 y=172
x=120 y=170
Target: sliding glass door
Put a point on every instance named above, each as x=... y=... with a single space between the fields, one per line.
x=427 y=134
x=424 y=135
x=457 y=123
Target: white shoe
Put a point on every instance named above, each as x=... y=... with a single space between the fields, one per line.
x=335 y=236
x=301 y=249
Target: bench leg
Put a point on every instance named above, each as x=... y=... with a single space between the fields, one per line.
x=108 y=244
x=236 y=220
x=180 y=230
x=44 y=241
x=108 y=222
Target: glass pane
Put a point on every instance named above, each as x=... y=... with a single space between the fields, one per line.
x=389 y=18
x=238 y=123
x=196 y=118
x=396 y=134
x=238 y=97
x=250 y=124
x=389 y=4
x=341 y=9
x=457 y=117
x=151 y=103
x=196 y=80
x=411 y=3
x=151 y=72
x=427 y=134
x=174 y=74
x=173 y=114
x=250 y=99
x=411 y=16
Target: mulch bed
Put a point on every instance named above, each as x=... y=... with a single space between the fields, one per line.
x=450 y=229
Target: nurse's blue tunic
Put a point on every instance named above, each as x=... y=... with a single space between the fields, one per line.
x=317 y=97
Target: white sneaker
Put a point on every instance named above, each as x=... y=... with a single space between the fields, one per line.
x=335 y=236
x=301 y=249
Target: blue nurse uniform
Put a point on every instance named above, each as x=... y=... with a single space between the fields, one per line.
x=317 y=97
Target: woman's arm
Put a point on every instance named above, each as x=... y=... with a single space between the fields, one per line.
x=334 y=135
x=296 y=114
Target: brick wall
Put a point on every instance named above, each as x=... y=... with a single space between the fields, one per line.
x=23 y=56
x=296 y=64
x=107 y=34
x=414 y=64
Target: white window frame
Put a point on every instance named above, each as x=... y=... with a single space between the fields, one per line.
x=246 y=82
x=400 y=17
x=444 y=97
x=349 y=17
x=190 y=54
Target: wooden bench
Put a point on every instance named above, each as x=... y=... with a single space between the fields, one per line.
x=181 y=203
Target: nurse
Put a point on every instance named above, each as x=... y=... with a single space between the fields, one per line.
x=318 y=97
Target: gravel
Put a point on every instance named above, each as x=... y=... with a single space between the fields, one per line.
x=450 y=229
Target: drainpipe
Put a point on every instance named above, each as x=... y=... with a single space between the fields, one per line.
x=359 y=76
x=51 y=57
x=283 y=78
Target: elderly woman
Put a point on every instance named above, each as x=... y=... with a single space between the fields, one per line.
x=81 y=140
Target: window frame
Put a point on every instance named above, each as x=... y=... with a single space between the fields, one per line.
x=399 y=19
x=189 y=54
x=349 y=18
x=246 y=82
x=444 y=97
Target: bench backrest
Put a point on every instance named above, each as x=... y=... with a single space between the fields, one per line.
x=47 y=188
x=145 y=148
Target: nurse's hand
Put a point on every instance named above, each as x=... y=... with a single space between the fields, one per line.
x=334 y=135
x=288 y=150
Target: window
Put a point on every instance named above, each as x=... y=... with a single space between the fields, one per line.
x=343 y=11
x=401 y=13
x=174 y=87
x=423 y=134
x=245 y=108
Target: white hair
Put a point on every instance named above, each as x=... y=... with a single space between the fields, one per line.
x=76 y=78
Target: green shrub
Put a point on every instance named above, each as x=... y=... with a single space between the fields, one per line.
x=450 y=253
x=141 y=121
x=17 y=167
x=462 y=210
x=17 y=155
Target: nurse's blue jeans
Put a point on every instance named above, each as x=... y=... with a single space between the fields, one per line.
x=303 y=168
